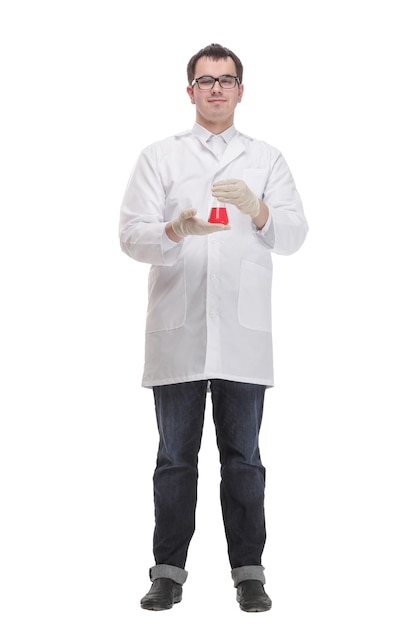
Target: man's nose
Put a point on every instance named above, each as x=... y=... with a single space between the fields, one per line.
x=216 y=86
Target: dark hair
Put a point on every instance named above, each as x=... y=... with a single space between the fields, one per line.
x=213 y=51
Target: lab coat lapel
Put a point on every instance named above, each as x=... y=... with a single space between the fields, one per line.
x=232 y=151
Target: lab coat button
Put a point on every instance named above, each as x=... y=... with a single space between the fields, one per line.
x=213 y=313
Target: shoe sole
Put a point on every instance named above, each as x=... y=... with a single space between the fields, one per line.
x=254 y=609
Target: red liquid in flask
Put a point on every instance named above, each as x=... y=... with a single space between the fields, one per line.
x=218 y=215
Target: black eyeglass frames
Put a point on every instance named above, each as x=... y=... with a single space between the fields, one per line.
x=207 y=82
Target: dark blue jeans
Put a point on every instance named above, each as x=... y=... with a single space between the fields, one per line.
x=237 y=415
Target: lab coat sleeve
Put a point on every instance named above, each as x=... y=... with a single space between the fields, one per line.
x=142 y=220
x=286 y=228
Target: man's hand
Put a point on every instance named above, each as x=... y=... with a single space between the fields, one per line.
x=187 y=224
x=235 y=191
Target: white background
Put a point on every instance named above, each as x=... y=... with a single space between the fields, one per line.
x=84 y=87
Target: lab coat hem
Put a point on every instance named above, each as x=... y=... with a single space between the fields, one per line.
x=149 y=384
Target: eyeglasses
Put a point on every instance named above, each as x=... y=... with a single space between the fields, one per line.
x=207 y=82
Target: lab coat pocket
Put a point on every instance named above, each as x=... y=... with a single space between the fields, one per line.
x=166 y=298
x=254 y=305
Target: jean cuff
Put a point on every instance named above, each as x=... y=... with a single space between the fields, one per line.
x=248 y=572
x=176 y=574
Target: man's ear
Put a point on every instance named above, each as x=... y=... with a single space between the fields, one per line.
x=190 y=92
x=240 y=92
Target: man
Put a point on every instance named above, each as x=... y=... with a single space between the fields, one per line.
x=208 y=323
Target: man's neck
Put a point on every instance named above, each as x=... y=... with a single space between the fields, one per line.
x=215 y=129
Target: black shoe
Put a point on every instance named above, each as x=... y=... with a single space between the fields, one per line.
x=252 y=597
x=163 y=594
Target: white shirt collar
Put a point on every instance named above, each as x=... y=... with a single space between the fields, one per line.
x=205 y=134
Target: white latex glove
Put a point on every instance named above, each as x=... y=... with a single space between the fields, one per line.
x=187 y=224
x=235 y=191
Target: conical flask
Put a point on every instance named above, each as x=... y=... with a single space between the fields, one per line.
x=218 y=213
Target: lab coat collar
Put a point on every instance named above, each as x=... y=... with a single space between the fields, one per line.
x=231 y=137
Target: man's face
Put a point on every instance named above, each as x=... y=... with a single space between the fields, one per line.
x=215 y=107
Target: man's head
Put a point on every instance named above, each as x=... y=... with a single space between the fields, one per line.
x=214 y=51
x=215 y=86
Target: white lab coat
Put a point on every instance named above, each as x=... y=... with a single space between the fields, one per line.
x=209 y=297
